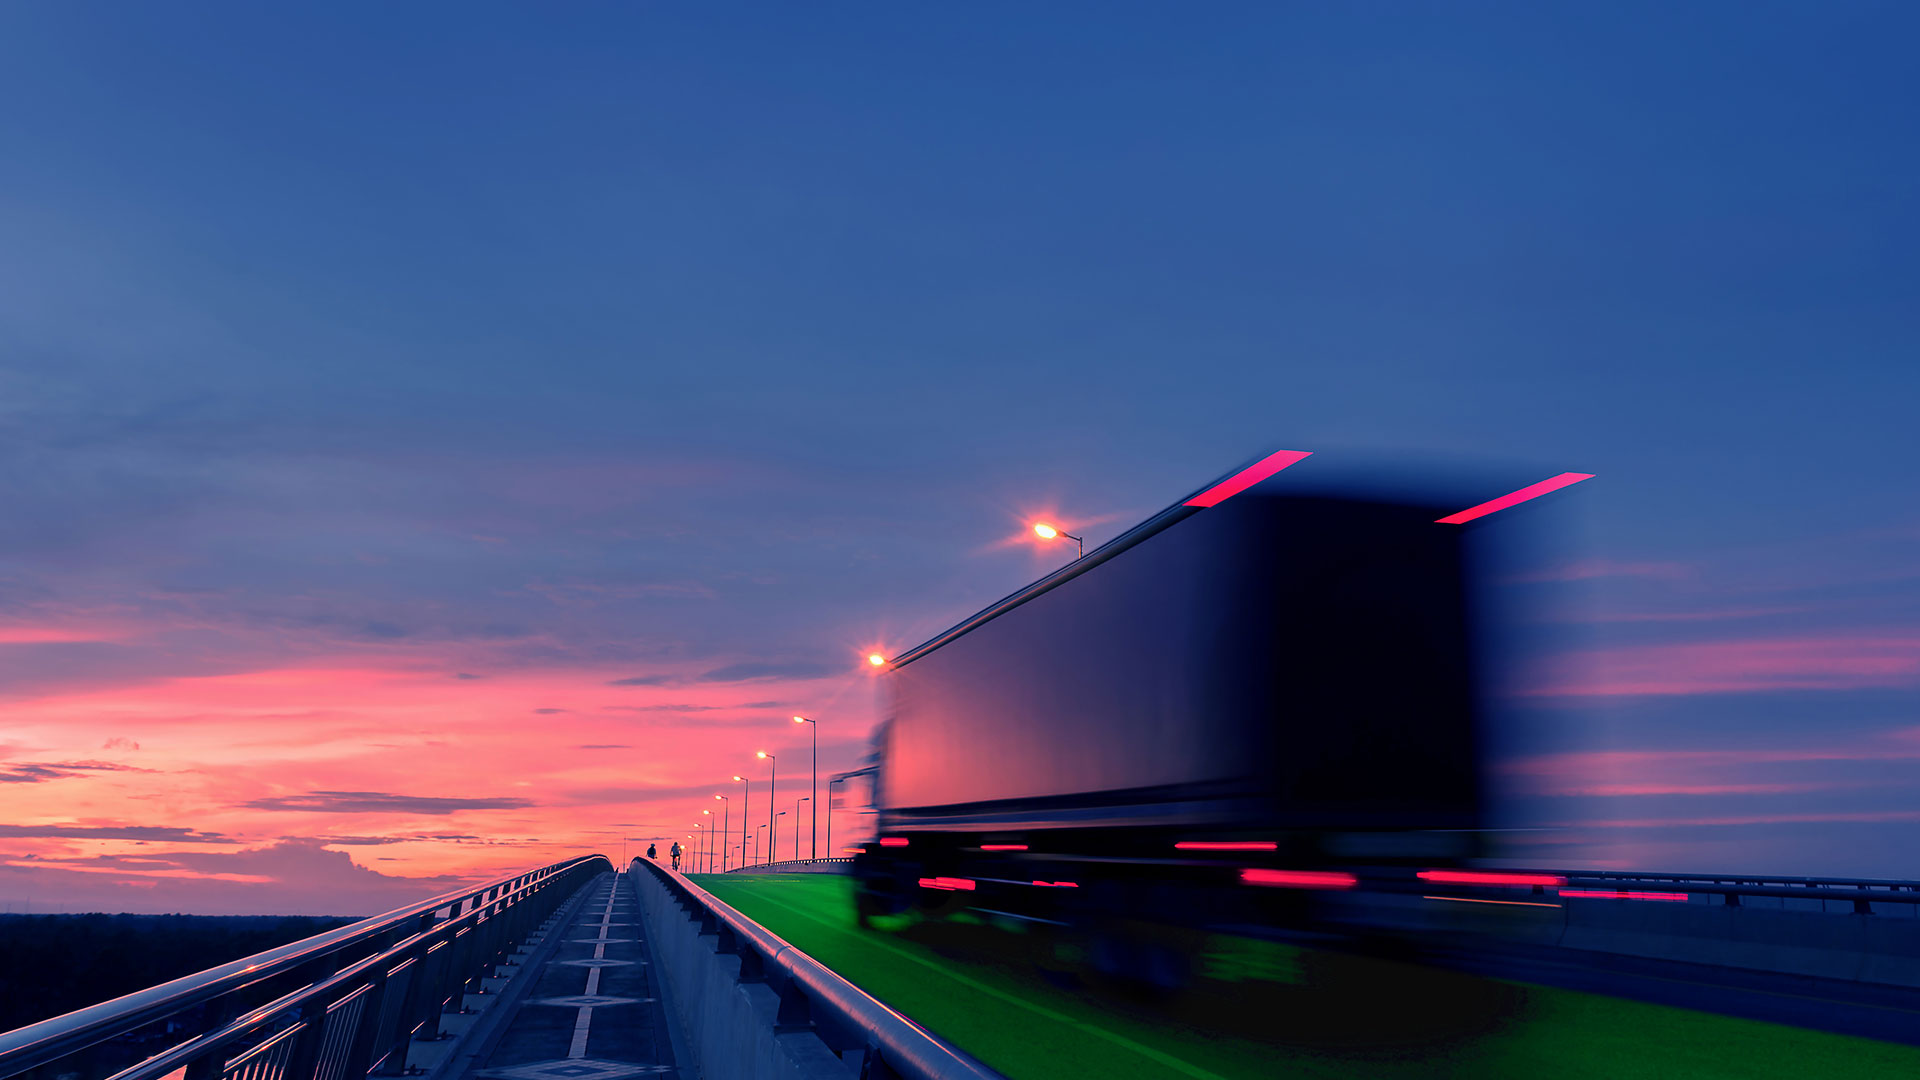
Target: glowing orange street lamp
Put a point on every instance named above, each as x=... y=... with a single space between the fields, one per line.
x=773 y=775
x=746 y=807
x=813 y=788
x=876 y=659
x=1047 y=532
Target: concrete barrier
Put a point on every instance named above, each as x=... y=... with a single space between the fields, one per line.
x=735 y=1025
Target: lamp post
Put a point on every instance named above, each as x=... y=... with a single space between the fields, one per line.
x=830 y=782
x=699 y=845
x=773 y=839
x=773 y=775
x=796 y=826
x=726 y=829
x=710 y=840
x=746 y=803
x=759 y=849
x=813 y=788
x=1047 y=532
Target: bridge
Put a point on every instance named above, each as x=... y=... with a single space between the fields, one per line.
x=585 y=971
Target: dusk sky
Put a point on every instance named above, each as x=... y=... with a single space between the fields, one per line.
x=439 y=440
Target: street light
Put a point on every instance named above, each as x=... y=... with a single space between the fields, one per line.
x=1047 y=532
x=876 y=659
x=830 y=782
x=773 y=839
x=796 y=825
x=709 y=835
x=746 y=801
x=773 y=775
x=757 y=848
x=813 y=788
x=699 y=845
x=726 y=829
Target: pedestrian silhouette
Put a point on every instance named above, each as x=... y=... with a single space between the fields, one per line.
x=653 y=853
x=676 y=854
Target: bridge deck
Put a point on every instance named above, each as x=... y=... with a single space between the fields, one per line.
x=1286 y=1011
x=591 y=1009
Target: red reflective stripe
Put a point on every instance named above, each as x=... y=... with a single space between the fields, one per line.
x=1226 y=845
x=1247 y=477
x=1623 y=894
x=1300 y=879
x=893 y=841
x=1479 y=877
x=1003 y=847
x=1531 y=491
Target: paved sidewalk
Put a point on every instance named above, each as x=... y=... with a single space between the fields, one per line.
x=594 y=1010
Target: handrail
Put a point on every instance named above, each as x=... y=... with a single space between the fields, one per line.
x=844 y=1016
x=405 y=936
x=751 y=867
x=1891 y=884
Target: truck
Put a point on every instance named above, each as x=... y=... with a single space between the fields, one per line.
x=1233 y=709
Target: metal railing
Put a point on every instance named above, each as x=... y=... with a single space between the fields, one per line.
x=844 y=1017
x=335 y=1006
x=1855 y=895
x=776 y=867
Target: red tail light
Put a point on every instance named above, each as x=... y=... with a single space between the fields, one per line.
x=1486 y=877
x=947 y=884
x=893 y=841
x=1299 y=879
x=1058 y=884
x=1226 y=845
x=1003 y=847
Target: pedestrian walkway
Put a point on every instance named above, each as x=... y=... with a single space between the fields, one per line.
x=593 y=1010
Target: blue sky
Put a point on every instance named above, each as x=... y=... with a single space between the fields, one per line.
x=669 y=341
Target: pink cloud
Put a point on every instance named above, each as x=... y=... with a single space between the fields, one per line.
x=1714 y=615
x=1588 y=569
x=435 y=777
x=50 y=635
x=1781 y=818
x=1734 y=771
x=1732 y=667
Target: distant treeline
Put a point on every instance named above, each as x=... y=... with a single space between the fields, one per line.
x=53 y=964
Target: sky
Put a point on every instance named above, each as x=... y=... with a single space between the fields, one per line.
x=438 y=440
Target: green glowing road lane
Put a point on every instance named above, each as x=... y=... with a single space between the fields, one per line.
x=1010 y=1012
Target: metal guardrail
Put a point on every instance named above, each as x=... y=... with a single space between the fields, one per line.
x=766 y=868
x=1859 y=894
x=349 y=1000
x=845 y=1017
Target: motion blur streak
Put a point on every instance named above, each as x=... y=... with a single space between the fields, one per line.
x=1226 y=845
x=1531 y=491
x=1611 y=894
x=1476 y=877
x=947 y=883
x=1003 y=847
x=1247 y=477
x=1504 y=903
x=1300 y=879
x=1058 y=884
x=893 y=841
